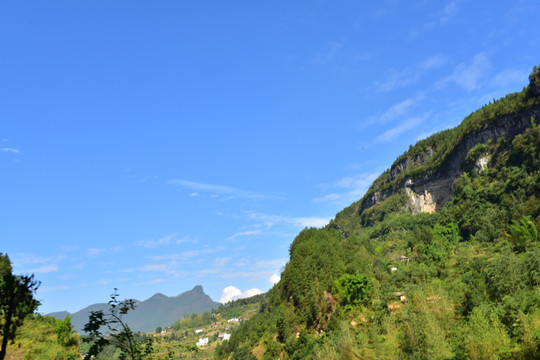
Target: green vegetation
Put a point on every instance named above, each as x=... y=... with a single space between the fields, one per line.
x=430 y=154
x=383 y=283
x=118 y=334
x=39 y=338
x=110 y=337
x=377 y=283
x=16 y=301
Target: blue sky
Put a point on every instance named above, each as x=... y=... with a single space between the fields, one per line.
x=154 y=146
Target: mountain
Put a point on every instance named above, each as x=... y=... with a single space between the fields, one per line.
x=158 y=310
x=440 y=259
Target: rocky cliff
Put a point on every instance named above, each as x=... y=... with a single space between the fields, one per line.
x=428 y=192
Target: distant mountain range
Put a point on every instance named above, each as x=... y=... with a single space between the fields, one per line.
x=159 y=310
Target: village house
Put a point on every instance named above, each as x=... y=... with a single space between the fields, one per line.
x=224 y=336
x=202 y=341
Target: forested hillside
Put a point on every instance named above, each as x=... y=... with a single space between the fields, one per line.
x=439 y=260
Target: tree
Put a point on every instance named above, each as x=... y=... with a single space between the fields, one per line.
x=353 y=290
x=16 y=301
x=64 y=332
x=522 y=233
x=117 y=330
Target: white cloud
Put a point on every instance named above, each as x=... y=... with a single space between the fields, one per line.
x=169 y=268
x=231 y=293
x=215 y=190
x=179 y=256
x=449 y=11
x=273 y=264
x=186 y=239
x=310 y=221
x=400 y=129
x=9 y=150
x=79 y=266
x=221 y=261
x=469 y=75
x=302 y=222
x=355 y=187
x=274 y=279
x=94 y=251
x=152 y=244
x=438 y=19
x=395 y=111
x=244 y=233
x=24 y=258
x=44 y=269
x=394 y=79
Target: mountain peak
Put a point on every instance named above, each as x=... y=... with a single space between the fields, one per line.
x=158 y=296
x=198 y=289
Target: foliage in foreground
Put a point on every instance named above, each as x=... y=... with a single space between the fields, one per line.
x=44 y=338
x=16 y=301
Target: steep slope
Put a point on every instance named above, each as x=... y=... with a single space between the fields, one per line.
x=37 y=339
x=439 y=260
x=159 y=310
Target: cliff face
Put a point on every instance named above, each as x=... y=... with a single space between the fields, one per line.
x=428 y=193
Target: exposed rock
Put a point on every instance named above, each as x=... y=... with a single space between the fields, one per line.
x=481 y=164
x=429 y=193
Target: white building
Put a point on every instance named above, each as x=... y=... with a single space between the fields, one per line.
x=198 y=331
x=233 y=320
x=224 y=336
x=202 y=341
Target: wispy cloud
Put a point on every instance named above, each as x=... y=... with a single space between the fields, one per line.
x=353 y=188
x=270 y=264
x=21 y=259
x=221 y=261
x=94 y=251
x=215 y=189
x=9 y=150
x=168 y=268
x=295 y=221
x=152 y=244
x=244 y=233
x=469 y=75
x=394 y=79
x=329 y=53
x=36 y=264
x=44 y=269
x=183 y=256
x=438 y=19
x=404 y=126
x=394 y=112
